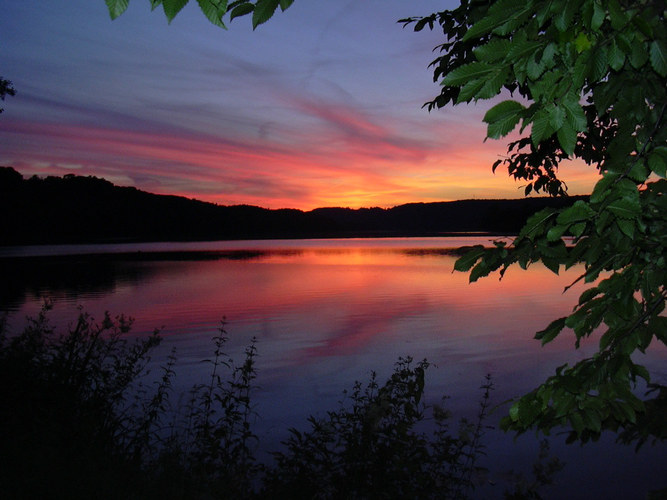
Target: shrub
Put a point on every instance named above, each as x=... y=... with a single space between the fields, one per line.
x=372 y=447
x=66 y=424
x=79 y=420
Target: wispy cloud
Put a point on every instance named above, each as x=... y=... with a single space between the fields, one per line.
x=321 y=107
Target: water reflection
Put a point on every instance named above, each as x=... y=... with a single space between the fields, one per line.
x=325 y=313
x=26 y=280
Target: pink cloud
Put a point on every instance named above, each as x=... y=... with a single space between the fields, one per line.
x=345 y=159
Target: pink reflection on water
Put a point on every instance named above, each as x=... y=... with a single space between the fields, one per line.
x=365 y=299
x=328 y=312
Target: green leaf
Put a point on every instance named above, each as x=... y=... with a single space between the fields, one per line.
x=643 y=26
x=470 y=90
x=627 y=226
x=116 y=7
x=579 y=211
x=619 y=148
x=626 y=412
x=658 y=326
x=494 y=50
x=574 y=113
x=534 y=69
x=534 y=224
x=625 y=188
x=577 y=229
x=214 y=11
x=589 y=294
x=469 y=72
x=528 y=410
x=552 y=265
x=501 y=13
x=615 y=56
x=465 y=262
x=549 y=54
x=597 y=63
x=657 y=161
x=601 y=189
x=639 y=54
x=241 y=10
x=582 y=43
x=564 y=16
x=172 y=7
x=482 y=27
x=625 y=42
x=551 y=331
x=520 y=50
x=502 y=118
x=567 y=138
x=264 y=9
x=541 y=128
x=606 y=339
x=493 y=84
x=285 y=4
x=556 y=232
x=592 y=420
x=658 y=56
x=479 y=271
x=638 y=172
x=625 y=208
x=616 y=15
x=598 y=16
x=556 y=117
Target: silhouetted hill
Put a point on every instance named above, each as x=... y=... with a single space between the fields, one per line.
x=75 y=209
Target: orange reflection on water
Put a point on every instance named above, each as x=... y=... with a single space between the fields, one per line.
x=346 y=301
x=351 y=299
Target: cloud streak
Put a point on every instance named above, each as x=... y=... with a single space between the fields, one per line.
x=319 y=108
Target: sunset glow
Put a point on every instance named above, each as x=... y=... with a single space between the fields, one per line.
x=307 y=111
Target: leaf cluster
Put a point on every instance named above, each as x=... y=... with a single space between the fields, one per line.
x=587 y=81
x=214 y=10
x=554 y=54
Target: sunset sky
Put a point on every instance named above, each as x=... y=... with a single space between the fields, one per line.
x=321 y=106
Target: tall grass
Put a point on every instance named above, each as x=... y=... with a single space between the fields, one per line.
x=79 y=419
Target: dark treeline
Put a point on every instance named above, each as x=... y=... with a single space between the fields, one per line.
x=76 y=209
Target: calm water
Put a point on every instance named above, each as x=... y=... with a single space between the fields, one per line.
x=326 y=312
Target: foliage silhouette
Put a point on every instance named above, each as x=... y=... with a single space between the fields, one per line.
x=66 y=420
x=6 y=88
x=81 y=418
x=214 y=10
x=544 y=468
x=590 y=80
x=370 y=447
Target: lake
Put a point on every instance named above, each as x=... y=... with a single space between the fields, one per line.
x=327 y=312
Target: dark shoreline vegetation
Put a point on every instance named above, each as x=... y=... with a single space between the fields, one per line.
x=76 y=209
x=81 y=418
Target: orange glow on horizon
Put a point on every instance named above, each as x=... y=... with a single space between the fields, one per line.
x=276 y=175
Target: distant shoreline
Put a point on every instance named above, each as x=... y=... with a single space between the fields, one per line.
x=171 y=251
x=347 y=236
x=88 y=210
